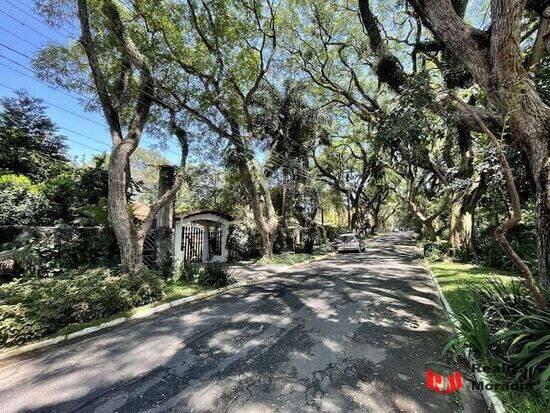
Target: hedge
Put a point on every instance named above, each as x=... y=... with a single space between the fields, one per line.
x=34 y=308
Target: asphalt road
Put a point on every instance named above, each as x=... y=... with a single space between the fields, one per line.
x=350 y=333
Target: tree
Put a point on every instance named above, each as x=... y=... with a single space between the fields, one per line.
x=292 y=129
x=494 y=59
x=30 y=142
x=222 y=52
x=118 y=68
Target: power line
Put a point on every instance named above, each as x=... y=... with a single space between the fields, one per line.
x=57 y=89
x=31 y=16
x=26 y=25
x=281 y=162
x=18 y=37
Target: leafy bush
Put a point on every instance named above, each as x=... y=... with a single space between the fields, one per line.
x=435 y=251
x=21 y=202
x=502 y=302
x=215 y=274
x=523 y=240
x=505 y=329
x=529 y=350
x=50 y=251
x=474 y=332
x=332 y=232
x=190 y=271
x=243 y=242
x=34 y=308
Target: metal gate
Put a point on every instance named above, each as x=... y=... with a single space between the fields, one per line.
x=215 y=241
x=150 y=253
x=191 y=243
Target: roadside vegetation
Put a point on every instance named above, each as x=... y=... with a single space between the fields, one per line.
x=303 y=120
x=500 y=322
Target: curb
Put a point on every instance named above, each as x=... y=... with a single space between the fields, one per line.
x=493 y=402
x=143 y=314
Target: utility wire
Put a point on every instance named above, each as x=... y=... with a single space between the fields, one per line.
x=32 y=16
x=57 y=89
x=18 y=37
x=281 y=163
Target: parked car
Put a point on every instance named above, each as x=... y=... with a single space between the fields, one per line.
x=350 y=242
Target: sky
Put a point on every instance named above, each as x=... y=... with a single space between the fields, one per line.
x=24 y=31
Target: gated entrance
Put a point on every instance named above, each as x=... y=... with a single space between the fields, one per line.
x=202 y=236
x=191 y=243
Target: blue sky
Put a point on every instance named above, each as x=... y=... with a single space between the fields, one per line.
x=27 y=36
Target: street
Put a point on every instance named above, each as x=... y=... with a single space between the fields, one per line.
x=353 y=332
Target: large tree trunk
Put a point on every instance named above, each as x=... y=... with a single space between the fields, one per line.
x=165 y=222
x=460 y=234
x=131 y=247
x=542 y=184
x=516 y=215
x=462 y=216
x=260 y=201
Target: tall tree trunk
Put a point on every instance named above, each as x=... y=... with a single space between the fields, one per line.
x=131 y=247
x=530 y=127
x=516 y=216
x=495 y=61
x=260 y=201
x=165 y=222
x=462 y=216
x=542 y=184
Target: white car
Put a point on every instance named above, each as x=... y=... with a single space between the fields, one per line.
x=350 y=242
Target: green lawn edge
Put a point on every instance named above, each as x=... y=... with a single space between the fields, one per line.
x=456 y=280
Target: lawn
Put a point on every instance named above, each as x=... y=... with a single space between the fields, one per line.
x=456 y=279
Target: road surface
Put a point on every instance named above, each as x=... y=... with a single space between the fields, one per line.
x=350 y=333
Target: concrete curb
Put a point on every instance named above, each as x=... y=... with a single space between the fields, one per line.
x=150 y=312
x=491 y=398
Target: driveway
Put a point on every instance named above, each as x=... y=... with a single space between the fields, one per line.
x=350 y=333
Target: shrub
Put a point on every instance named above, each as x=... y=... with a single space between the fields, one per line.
x=190 y=271
x=37 y=307
x=504 y=328
x=21 y=202
x=474 y=332
x=50 y=251
x=523 y=240
x=529 y=350
x=332 y=232
x=243 y=242
x=215 y=274
x=435 y=251
x=502 y=303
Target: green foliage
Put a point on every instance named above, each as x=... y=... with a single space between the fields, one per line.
x=435 y=251
x=499 y=320
x=243 y=242
x=51 y=251
x=215 y=274
x=21 y=201
x=190 y=271
x=68 y=197
x=29 y=140
x=332 y=232
x=503 y=301
x=473 y=332
x=529 y=350
x=31 y=309
x=523 y=241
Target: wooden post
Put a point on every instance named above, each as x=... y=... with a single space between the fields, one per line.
x=165 y=222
